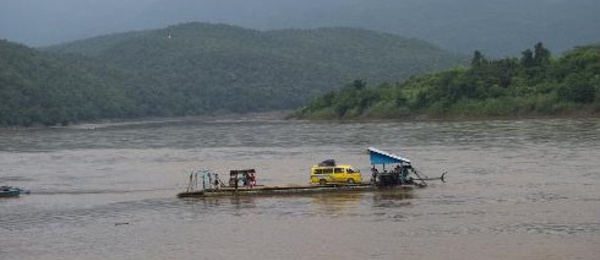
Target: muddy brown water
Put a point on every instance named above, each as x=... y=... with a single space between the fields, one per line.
x=515 y=190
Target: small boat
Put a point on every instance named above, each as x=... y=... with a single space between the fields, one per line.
x=10 y=191
x=400 y=176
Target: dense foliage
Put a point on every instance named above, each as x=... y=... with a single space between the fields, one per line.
x=36 y=88
x=534 y=84
x=198 y=68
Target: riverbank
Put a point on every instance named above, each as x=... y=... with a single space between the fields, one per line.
x=453 y=118
x=91 y=125
x=292 y=115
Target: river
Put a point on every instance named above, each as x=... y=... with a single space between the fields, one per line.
x=515 y=190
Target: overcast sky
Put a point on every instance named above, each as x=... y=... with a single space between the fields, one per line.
x=498 y=26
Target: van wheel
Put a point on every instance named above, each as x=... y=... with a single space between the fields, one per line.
x=350 y=181
x=322 y=181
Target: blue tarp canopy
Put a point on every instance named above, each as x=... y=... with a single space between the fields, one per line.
x=381 y=157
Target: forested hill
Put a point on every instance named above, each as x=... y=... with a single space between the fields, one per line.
x=534 y=84
x=204 y=67
x=196 y=69
x=38 y=88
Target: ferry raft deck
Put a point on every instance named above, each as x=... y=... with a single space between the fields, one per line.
x=279 y=190
x=398 y=177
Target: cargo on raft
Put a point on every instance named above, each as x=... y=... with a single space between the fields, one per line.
x=243 y=182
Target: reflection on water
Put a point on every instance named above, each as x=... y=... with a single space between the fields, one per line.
x=333 y=204
x=516 y=190
x=392 y=198
x=336 y=203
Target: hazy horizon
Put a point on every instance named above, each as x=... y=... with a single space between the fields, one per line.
x=495 y=27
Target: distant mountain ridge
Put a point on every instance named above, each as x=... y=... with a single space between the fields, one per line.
x=497 y=27
x=200 y=68
x=259 y=70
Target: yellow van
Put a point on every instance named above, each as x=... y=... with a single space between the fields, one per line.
x=324 y=174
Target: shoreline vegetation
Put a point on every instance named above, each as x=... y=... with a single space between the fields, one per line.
x=456 y=118
x=536 y=85
x=194 y=69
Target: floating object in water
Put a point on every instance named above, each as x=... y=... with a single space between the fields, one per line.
x=399 y=176
x=10 y=191
x=282 y=190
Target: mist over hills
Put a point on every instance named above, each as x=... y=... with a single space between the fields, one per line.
x=200 y=68
x=495 y=27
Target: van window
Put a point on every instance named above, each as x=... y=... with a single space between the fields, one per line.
x=339 y=170
x=318 y=171
x=350 y=170
x=328 y=170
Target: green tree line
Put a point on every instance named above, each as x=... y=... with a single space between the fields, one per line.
x=534 y=84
